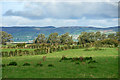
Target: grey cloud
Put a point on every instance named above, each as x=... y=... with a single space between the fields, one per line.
x=67 y=10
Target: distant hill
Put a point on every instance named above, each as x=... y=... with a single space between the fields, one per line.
x=28 y=33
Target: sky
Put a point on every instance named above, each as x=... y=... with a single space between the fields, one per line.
x=59 y=14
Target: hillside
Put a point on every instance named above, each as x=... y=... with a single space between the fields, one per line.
x=29 y=33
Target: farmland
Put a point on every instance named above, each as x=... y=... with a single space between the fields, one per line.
x=106 y=66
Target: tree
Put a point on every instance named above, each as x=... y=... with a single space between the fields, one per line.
x=66 y=39
x=91 y=36
x=98 y=35
x=111 y=36
x=53 y=38
x=40 y=39
x=22 y=45
x=5 y=37
x=110 y=42
x=118 y=36
x=103 y=36
x=84 y=38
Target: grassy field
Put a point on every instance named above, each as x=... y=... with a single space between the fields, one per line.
x=107 y=66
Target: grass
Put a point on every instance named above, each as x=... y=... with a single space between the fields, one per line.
x=107 y=66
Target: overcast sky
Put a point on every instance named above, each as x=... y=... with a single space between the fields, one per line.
x=98 y=14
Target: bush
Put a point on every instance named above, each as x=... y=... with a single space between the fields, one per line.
x=11 y=53
x=69 y=47
x=12 y=64
x=64 y=58
x=51 y=50
x=50 y=65
x=21 y=45
x=62 y=48
x=39 y=64
x=97 y=48
x=20 y=52
x=58 y=49
x=86 y=49
x=92 y=61
x=3 y=65
x=73 y=47
x=65 y=47
x=88 y=58
x=26 y=64
x=110 y=42
x=6 y=54
x=81 y=46
x=77 y=63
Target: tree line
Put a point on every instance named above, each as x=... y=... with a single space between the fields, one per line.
x=66 y=39
x=54 y=38
x=55 y=42
x=84 y=37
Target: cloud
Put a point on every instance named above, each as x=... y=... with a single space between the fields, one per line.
x=20 y=21
x=98 y=14
x=66 y=10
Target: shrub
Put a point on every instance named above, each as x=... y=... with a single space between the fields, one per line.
x=16 y=52
x=51 y=50
x=69 y=47
x=86 y=49
x=11 y=53
x=21 y=45
x=81 y=59
x=110 y=42
x=12 y=64
x=58 y=49
x=73 y=47
x=39 y=64
x=88 y=58
x=77 y=63
x=64 y=58
x=3 y=65
x=26 y=52
x=92 y=67
x=54 y=49
x=96 y=48
x=80 y=46
x=20 y=52
x=37 y=51
x=3 y=54
x=76 y=47
x=50 y=65
x=92 y=61
x=6 y=54
x=26 y=64
x=65 y=47
x=62 y=48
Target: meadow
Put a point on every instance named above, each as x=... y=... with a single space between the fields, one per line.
x=106 y=66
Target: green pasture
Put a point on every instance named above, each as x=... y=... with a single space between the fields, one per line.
x=106 y=66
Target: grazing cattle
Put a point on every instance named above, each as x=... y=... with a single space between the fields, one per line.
x=44 y=58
